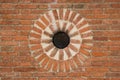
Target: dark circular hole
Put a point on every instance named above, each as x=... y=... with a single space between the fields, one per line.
x=61 y=39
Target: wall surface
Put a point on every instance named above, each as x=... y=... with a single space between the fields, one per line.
x=17 y=18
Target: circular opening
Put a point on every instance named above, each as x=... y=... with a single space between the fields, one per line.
x=61 y=40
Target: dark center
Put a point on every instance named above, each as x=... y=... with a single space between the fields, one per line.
x=61 y=40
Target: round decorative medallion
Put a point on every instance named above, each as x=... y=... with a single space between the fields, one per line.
x=60 y=40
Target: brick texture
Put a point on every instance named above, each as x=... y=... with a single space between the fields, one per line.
x=98 y=62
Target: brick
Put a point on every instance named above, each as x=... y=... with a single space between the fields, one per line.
x=24 y=78
x=99 y=79
x=73 y=48
x=99 y=54
x=6 y=27
x=20 y=38
x=41 y=25
x=26 y=6
x=112 y=0
x=96 y=69
x=54 y=79
x=67 y=15
x=4 y=38
x=74 y=1
x=8 y=43
x=43 y=78
x=115 y=5
x=78 y=6
x=113 y=74
x=97 y=16
x=100 y=38
x=26 y=17
x=98 y=5
x=6 y=78
x=43 y=1
x=7 y=6
x=7 y=48
x=112 y=11
x=21 y=48
x=25 y=22
x=22 y=28
x=67 y=78
x=39 y=11
x=74 y=74
x=10 y=1
x=61 y=5
x=115 y=69
x=8 y=53
x=115 y=78
x=9 y=11
x=5 y=70
x=45 y=20
x=9 y=64
x=8 y=33
x=24 y=69
x=9 y=22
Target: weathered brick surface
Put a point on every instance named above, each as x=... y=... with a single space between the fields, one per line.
x=17 y=18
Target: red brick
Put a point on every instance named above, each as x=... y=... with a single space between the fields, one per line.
x=44 y=20
x=61 y=5
x=6 y=38
x=7 y=48
x=5 y=70
x=8 y=53
x=112 y=0
x=97 y=16
x=8 y=43
x=26 y=6
x=43 y=1
x=115 y=5
x=74 y=1
x=24 y=69
x=25 y=22
x=24 y=78
x=96 y=69
x=55 y=14
x=115 y=69
x=54 y=79
x=112 y=11
x=74 y=74
x=99 y=54
x=43 y=78
x=100 y=38
x=98 y=5
x=20 y=38
x=10 y=1
x=9 y=22
x=6 y=78
x=22 y=28
x=67 y=15
x=113 y=74
x=7 y=6
x=41 y=25
x=39 y=11
x=9 y=11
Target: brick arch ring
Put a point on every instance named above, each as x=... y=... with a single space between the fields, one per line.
x=49 y=56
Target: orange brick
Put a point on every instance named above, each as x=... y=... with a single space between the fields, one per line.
x=67 y=15
x=45 y=20
x=26 y=6
x=55 y=14
x=41 y=25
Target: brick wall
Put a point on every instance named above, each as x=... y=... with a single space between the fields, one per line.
x=17 y=19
